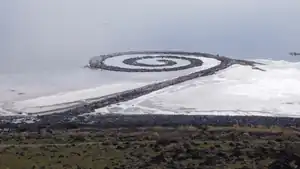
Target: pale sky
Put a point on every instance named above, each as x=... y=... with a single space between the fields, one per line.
x=38 y=34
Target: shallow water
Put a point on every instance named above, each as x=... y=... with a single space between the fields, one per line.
x=45 y=44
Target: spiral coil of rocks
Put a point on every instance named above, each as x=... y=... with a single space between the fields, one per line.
x=165 y=61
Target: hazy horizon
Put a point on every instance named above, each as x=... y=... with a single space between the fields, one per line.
x=45 y=44
x=59 y=35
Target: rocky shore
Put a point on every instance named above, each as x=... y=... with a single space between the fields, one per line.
x=117 y=121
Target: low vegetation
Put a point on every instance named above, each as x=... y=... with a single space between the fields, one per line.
x=181 y=147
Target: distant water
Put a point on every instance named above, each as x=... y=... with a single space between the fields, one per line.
x=45 y=44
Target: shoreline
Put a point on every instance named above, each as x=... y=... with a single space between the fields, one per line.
x=120 y=120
